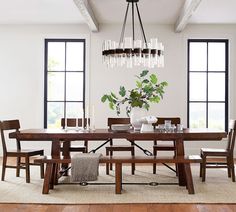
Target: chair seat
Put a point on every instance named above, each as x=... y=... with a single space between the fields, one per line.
x=120 y=148
x=214 y=152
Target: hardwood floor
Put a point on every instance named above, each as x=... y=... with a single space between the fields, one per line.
x=117 y=207
x=120 y=208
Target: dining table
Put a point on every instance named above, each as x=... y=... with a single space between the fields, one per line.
x=57 y=136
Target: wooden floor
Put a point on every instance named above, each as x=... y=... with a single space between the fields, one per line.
x=120 y=208
x=117 y=207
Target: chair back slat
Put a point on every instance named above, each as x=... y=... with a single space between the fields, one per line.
x=111 y=121
x=231 y=136
x=5 y=126
x=161 y=120
x=71 y=122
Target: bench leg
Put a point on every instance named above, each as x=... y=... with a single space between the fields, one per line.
x=118 y=178
x=189 y=178
x=47 y=178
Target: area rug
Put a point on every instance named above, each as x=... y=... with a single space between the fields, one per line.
x=218 y=188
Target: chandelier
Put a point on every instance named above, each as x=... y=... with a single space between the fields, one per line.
x=130 y=51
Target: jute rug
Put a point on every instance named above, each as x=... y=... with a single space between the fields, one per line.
x=218 y=188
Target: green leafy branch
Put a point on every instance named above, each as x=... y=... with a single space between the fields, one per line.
x=148 y=90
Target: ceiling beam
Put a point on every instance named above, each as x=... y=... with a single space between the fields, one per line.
x=186 y=12
x=87 y=12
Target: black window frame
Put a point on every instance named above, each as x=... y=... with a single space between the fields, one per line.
x=226 y=41
x=46 y=41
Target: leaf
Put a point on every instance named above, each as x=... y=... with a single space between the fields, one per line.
x=136 y=103
x=153 y=79
x=135 y=95
x=144 y=73
x=111 y=105
x=113 y=95
x=148 y=89
x=109 y=97
x=122 y=91
x=139 y=84
x=145 y=81
x=164 y=83
x=104 y=98
x=155 y=99
x=146 y=106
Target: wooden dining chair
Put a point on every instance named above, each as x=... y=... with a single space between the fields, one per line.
x=71 y=122
x=117 y=148
x=163 y=146
x=19 y=153
x=217 y=154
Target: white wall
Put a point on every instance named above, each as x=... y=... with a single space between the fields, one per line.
x=22 y=70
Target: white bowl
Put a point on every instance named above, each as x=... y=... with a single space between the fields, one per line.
x=120 y=127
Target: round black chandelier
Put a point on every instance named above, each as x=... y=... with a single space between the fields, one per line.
x=130 y=51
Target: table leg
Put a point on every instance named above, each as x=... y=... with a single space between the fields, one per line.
x=55 y=152
x=181 y=171
x=55 y=149
x=47 y=178
x=66 y=154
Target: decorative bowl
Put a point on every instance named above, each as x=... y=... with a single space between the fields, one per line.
x=120 y=127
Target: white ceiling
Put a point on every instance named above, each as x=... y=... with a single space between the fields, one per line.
x=112 y=11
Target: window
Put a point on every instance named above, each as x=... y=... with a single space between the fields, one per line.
x=64 y=80
x=208 y=84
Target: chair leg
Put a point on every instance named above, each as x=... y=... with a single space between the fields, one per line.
x=200 y=175
x=203 y=168
x=133 y=164
x=175 y=153
x=154 y=164
x=229 y=166
x=4 y=163
x=18 y=161
x=111 y=154
x=27 y=169
x=42 y=170
x=232 y=169
x=107 y=164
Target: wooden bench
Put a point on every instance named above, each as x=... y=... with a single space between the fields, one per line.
x=51 y=164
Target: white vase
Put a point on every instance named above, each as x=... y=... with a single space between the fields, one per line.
x=135 y=115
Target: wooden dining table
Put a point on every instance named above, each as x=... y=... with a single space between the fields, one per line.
x=56 y=136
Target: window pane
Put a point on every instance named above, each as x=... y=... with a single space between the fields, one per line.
x=197 y=115
x=197 y=87
x=56 y=86
x=198 y=56
x=216 y=87
x=74 y=109
x=74 y=86
x=216 y=56
x=56 y=56
x=55 y=113
x=216 y=115
x=75 y=58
